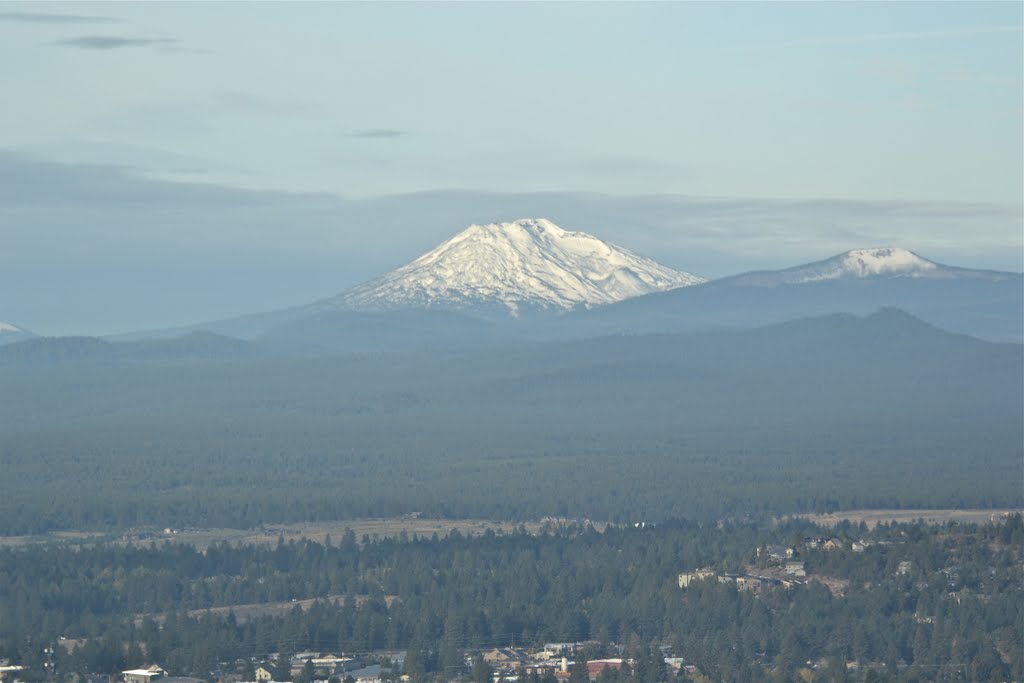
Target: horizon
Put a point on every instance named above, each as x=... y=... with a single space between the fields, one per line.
x=190 y=322
x=163 y=164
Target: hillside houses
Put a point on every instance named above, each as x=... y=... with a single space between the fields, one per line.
x=776 y=553
x=686 y=578
x=822 y=543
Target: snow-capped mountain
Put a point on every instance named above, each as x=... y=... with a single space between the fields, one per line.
x=982 y=303
x=878 y=262
x=524 y=265
x=10 y=333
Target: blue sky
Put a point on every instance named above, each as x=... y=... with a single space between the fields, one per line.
x=341 y=112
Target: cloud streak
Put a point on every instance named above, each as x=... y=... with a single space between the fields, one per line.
x=875 y=37
x=44 y=18
x=377 y=133
x=111 y=42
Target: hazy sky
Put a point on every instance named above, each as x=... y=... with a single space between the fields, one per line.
x=324 y=142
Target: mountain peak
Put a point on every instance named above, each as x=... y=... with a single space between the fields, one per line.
x=874 y=262
x=11 y=333
x=520 y=265
x=878 y=261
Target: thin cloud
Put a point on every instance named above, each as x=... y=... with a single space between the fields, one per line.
x=254 y=104
x=379 y=133
x=112 y=42
x=43 y=18
x=873 y=37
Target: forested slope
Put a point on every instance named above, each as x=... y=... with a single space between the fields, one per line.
x=812 y=415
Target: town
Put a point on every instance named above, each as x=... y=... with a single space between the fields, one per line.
x=676 y=601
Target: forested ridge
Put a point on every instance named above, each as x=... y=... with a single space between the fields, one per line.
x=952 y=613
x=816 y=415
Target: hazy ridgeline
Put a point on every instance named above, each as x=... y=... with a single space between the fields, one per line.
x=835 y=412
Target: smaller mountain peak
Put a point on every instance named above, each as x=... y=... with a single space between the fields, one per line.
x=862 y=263
x=7 y=327
x=884 y=261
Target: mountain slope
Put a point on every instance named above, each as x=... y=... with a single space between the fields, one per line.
x=528 y=264
x=985 y=304
x=878 y=262
x=10 y=333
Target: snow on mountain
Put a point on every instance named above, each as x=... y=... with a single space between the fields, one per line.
x=879 y=262
x=884 y=261
x=10 y=333
x=522 y=265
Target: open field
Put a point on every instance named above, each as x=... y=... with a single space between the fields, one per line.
x=269 y=534
x=246 y=612
x=319 y=531
x=873 y=517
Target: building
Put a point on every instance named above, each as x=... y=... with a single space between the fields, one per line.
x=748 y=583
x=596 y=666
x=148 y=675
x=369 y=674
x=10 y=672
x=686 y=578
x=504 y=656
x=795 y=569
x=266 y=673
x=776 y=552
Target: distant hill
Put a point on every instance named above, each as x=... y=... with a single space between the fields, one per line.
x=194 y=346
x=397 y=330
x=812 y=414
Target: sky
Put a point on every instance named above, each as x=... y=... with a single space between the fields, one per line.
x=167 y=163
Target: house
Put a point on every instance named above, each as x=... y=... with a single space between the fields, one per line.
x=153 y=673
x=860 y=546
x=795 y=569
x=686 y=578
x=776 y=552
x=266 y=673
x=674 y=664
x=596 y=666
x=748 y=583
x=819 y=542
x=329 y=665
x=560 y=649
x=504 y=655
x=904 y=567
x=368 y=674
